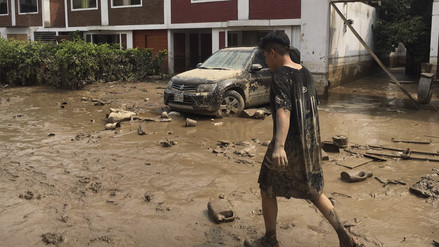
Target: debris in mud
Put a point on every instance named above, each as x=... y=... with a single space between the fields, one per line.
x=352 y=162
x=245 y=162
x=330 y=147
x=427 y=187
x=140 y=131
x=174 y=113
x=80 y=136
x=340 y=140
x=64 y=218
x=412 y=141
x=355 y=176
x=106 y=239
x=52 y=238
x=190 y=123
x=84 y=99
x=99 y=102
x=148 y=196
x=218 y=124
x=220 y=210
x=259 y=113
x=386 y=182
x=112 y=126
x=119 y=115
x=161 y=206
x=29 y=195
x=51 y=134
x=340 y=194
x=325 y=156
x=168 y=143
x=95 y=187
x=265 y=144
x=164 y=115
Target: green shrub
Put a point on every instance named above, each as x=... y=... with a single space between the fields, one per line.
x=73 y=64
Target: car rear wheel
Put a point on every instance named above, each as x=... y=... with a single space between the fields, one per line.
x=232 y=104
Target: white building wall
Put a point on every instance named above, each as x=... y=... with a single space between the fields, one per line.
x=314 y=40
x=435 y=36
x=348 y=59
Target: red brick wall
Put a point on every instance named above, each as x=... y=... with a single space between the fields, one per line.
x=151 y=12
x=183 y=11
x=57 y=17
x=6 y=21
x=28 y=20
x=275 y=9
x=84 y=17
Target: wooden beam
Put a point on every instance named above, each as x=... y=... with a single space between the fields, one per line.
x=375 y=56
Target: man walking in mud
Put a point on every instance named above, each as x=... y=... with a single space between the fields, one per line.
x=292 y=163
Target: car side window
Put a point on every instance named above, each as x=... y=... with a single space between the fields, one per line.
x=260 y=59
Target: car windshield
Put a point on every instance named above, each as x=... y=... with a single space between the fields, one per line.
x=227 y=59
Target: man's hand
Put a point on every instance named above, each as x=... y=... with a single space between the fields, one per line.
x=280 y=160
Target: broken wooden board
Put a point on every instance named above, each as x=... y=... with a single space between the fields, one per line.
x=393 y=155
x=402 y=150
x=352 y=162
x=413 y=141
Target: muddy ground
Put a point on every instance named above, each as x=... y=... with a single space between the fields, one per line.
x=66 y=181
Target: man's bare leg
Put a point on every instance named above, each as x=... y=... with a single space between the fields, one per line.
x=269 y=211
x=327 y=209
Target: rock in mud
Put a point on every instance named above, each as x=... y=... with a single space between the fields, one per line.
x=168 y=143
x=28 y=195
x=265 y=144
x=148 y=196
x=164 y=115
x=427 y=187
x=190 y=123
x=140 y=131
x=52 y=238
x=220 y=210
x=259 y=113
x=119 y=115
x=112 y=126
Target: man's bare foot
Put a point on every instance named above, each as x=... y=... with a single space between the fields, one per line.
x=261 y=242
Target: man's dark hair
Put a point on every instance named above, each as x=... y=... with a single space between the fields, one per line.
x=276 y=40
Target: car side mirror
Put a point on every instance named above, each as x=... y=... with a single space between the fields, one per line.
x=199 y=65
x=255 y=67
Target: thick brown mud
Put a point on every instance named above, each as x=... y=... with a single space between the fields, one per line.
x=64 y=180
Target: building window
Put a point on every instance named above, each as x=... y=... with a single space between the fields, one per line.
x=3 y=7
x=84 y=4
x=28 y=6
x=126 y=3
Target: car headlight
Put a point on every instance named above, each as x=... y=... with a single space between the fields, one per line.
x=170 y=84
x=206 y=88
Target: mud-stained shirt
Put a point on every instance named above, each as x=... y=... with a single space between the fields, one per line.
x=294 y=90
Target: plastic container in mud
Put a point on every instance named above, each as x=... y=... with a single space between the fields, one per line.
x=220 y=210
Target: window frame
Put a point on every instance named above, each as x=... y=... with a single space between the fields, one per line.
x=28 y=13
x=83 y=9
x=7 y=9
x=126 y=6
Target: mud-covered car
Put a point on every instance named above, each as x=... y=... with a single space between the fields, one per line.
x=229 y=81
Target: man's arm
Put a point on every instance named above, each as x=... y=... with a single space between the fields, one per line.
x=282 y=125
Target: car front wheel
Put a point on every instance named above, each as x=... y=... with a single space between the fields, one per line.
x=232 y=104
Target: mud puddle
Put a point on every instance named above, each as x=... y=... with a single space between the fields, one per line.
x=66 y=181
